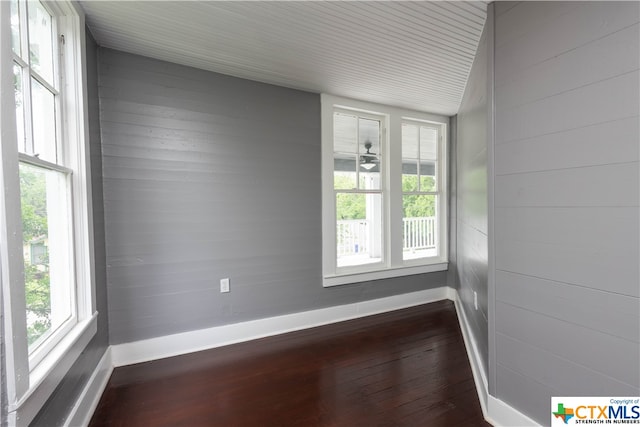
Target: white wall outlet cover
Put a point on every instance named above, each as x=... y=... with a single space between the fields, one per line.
x=224 y=285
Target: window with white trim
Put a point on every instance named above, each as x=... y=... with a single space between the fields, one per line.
x=384 y=191
x=47 y=262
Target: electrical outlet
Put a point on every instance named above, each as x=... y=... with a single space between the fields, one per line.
x=224 y=285
x=475 y=299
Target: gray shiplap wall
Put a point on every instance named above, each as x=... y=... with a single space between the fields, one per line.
x=471 y=218
x=566 y=202
x=57 y=408
x=208 y=176
x=3 y=373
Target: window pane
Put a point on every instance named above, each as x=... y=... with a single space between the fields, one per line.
x=428 y=157
x=41 y=41
x=344 y=174
x=17 y=84
x=345 y=136
x=369 y=178
x=369 y=140
x=359 y=229
x=409 y=157
x=369 y=133
x=15 y=27
x=44 y=122
x=46 y=237
x=419 y=226
x=428 y=143
x=427 y=176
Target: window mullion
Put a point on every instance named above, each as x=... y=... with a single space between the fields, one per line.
x=26 y=80
x=18 y=60
x=394 y=208
x=28 y=110
x=44 y=82
x=35 y=161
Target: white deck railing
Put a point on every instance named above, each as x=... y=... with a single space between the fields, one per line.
x=353 y=235
x=419 y=233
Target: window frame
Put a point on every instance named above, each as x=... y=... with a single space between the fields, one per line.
x=393 y=264
x=30 y=384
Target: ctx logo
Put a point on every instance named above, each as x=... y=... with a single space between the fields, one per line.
x=601 y=412
x=582 y=412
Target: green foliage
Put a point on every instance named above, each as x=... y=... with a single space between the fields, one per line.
x=353 y=206
x=348 y=205
x=34 y=226
x=418 y=206
x=34 y=203
x=38 y=301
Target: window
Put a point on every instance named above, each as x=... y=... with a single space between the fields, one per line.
x=384 y=191
x=420 y=195
x=46 y=267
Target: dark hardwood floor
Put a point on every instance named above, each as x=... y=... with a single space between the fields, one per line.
x=405 y=368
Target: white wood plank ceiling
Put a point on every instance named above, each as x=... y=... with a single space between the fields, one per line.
x=409 y=54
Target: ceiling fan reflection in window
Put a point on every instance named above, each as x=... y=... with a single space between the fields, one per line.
x=369 y=160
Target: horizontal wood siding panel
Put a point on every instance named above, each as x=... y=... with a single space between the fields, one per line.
x=570 y=341
x=615 y=57
x=578 y=187
x=556 y=372
x=527 y=394
x=593 y=247
x=567 y=216
x=600 y=310
x=608 y=100
x=600 y=144
x=205 y=177
x=556 y=29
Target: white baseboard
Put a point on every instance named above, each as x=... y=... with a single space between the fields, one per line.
x=502 y=414
x=495 y=411
x=479 y=375
x=87 y=402
x=204 y=339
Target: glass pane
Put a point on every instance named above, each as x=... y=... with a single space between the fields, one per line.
x=428 y=156
x=15 y=26
x=358 y=228
x=428 y=143
x=344 y=172
x=409 y=157
x=44 y=122
x=409 y=141
x=17 y=85
x=369 y=133
x=46 y=250
x=369 y=177
x=369 y=140
x=345 y=133
x=41 y=41
x=427 y=176
x=419 y=227
x=409 y=175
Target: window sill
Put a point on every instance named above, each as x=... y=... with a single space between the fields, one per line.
x=386 y=273
x=51 y=370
